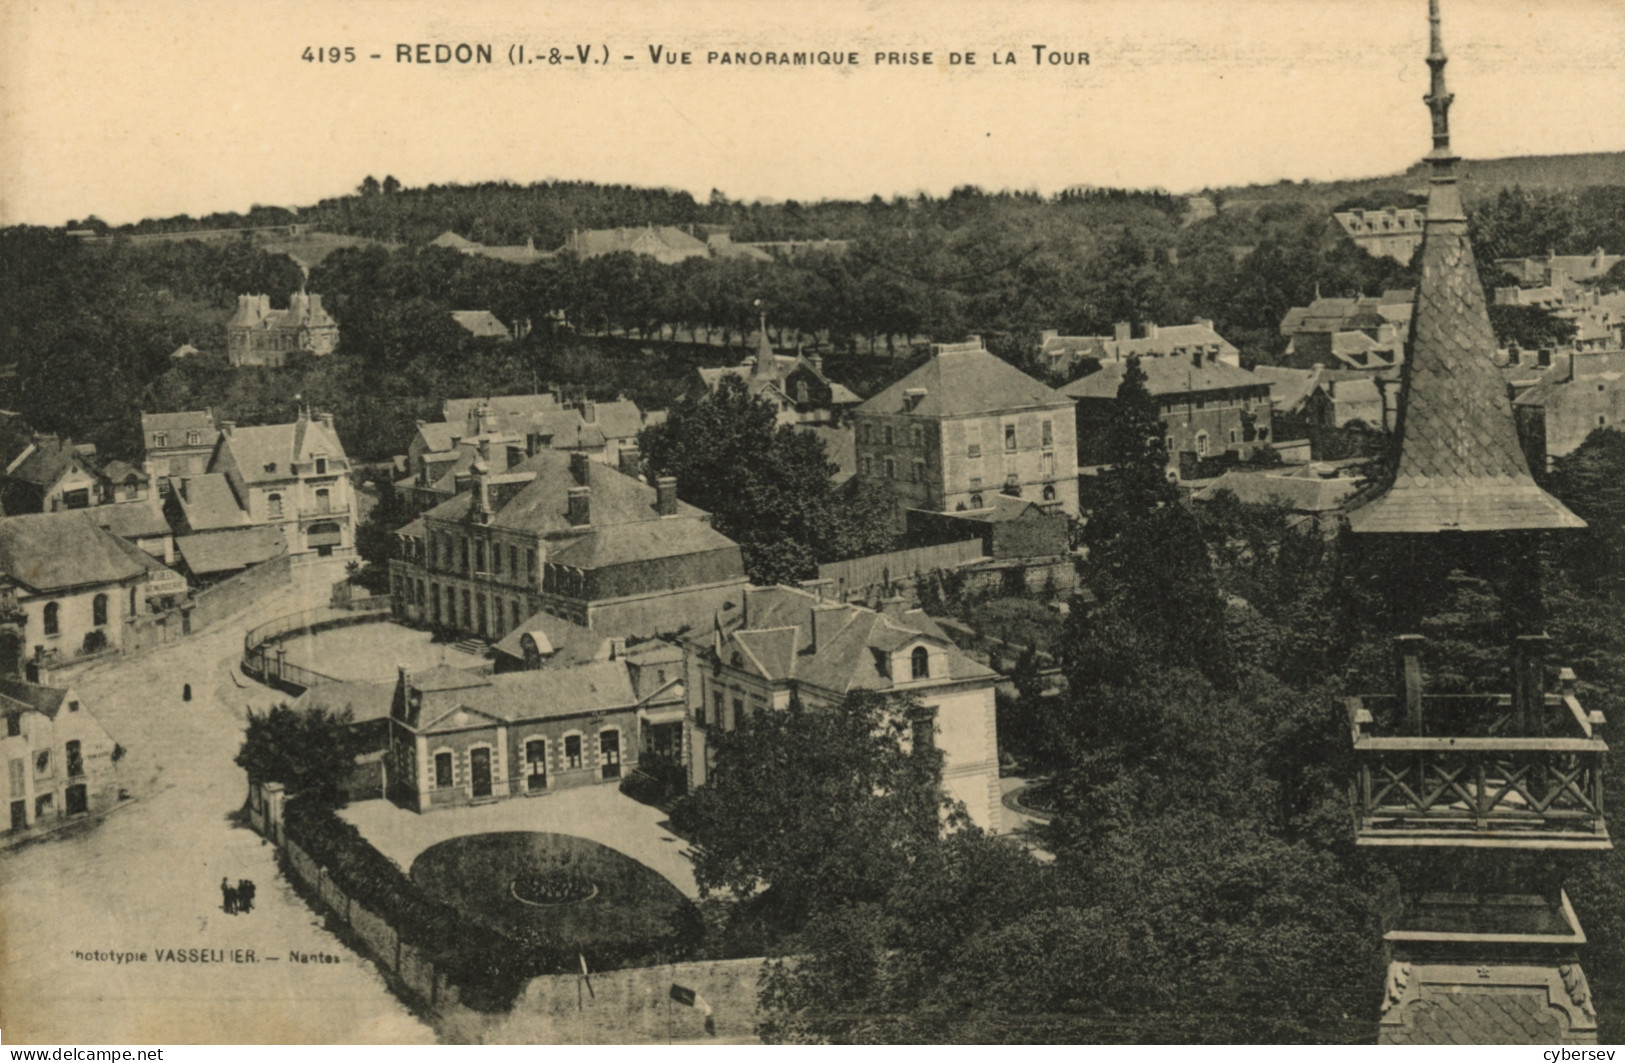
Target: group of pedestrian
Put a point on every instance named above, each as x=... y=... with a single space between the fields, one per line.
x=238 y=898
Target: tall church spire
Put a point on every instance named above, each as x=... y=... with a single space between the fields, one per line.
x=1460 y=466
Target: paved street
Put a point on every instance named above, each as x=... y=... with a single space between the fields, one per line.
x=146 y=878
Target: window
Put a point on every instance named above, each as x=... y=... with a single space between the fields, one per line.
x=917 y=435
x=1049 y=492
x=324 y=502
x=717 y=699
x=193 y=438
x=572 y=751
x=918 y=475
x=513 y=560
x=1009 y=437
x=976 y=501
x=496 y=558
x=891 y=469
x=1601 y=420
x=442 y=770
x=609 y=754
x=479 y=610
x=738 y=713
x=479 y=557
x=1046 y=462
x=1047 y=435
x=1201 y=444
x=42 y=762
x=1232 y=435
x=14 y=724
x=321 y=466
x=463 y=550
x=536 y=764
x=76 y=762
x=975 y=482
x=889 y=437
x=920 y=663
x=98 y=610
x=514 y=611
x=273 y=505
x=73 y=706
x=79 y=499
x=434 y=602
x=866 y=467
x=974 y=450
x=467 y=608
x=530 y=563
x=160 y=439
x=53 y=621
x=801 y=391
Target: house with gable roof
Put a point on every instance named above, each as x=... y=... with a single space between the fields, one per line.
x=59 y=760
x=258 y=335
x=783 y=642
x=964 y=426
x=293 y=476
x=1061 y=354
x=663 y=243
x=794 y=384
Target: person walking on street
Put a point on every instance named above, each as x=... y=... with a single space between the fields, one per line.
x=228 y=897
x=245 y=895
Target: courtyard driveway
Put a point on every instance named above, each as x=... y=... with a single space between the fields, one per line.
x=599 y=813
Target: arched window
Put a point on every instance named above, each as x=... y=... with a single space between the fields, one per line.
x=1049 y=492
x=98 y=610
x=976 y=501
x=53 y=618
x=920 y=663
x=273 y=504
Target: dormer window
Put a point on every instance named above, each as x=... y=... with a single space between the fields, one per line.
x=193 y=438
x=270 y=466
x=920 y=663
x=160 y=439
x=321 y=466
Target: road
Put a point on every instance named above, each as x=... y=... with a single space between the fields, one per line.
x=146 y=879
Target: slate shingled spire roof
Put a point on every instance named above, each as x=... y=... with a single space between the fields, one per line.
x=1460 y=465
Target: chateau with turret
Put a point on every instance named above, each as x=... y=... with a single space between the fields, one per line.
x=258 y=335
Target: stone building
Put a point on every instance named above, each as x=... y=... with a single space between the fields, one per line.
x=178 y=444
x=459 y=738
x=794 y=384
x=52 y=474
x=964 y=426
x=1061 y=354
x=59 y=761
x=1207 y=408
x=291 y=476
x=1395 y=232
x=1581 y=393
x=782 y=642
x=258 y=335
x=563 y=535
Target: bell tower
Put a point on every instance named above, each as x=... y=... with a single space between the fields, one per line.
x=1479 y=800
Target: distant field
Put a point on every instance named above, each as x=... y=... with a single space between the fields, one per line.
x=310 y=248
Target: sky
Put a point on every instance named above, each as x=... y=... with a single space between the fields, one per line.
x=130 y=109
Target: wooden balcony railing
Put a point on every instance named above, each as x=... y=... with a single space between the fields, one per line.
x=1500 y=775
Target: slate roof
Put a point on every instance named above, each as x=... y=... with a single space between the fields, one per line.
x=660 y=241
x=48 y=457
x=1168 y=340
x=481 y=323
x=228 y=551
x=131 y=520
x=596 y=686
x=366 y=701
x=178 y=424
x=266 y=453
x=1460 y=467
x=649 y=540
x=1165 y=376
x=54 y=551
x=540 y=507
x=210 y=503
x=1299 y=493
x=512 y=412
x=777 y=641
x=437 y=435
x=31 y=697
x=966 y=382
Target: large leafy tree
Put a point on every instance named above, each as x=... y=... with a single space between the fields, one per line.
x=819 y=808
x=310 y=752
x=767 y=487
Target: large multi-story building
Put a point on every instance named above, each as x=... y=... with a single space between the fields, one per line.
x=963 y=427
x=258 y=335
x=782 y=642
x=178 y=444
x=1207 y=408
x=794 y=384
x=1392 y=231
x=1578 y=395
x=564 y=535
x=1061 y=354
x=291 y=476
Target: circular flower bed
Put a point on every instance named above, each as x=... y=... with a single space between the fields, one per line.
x=552 y=887
x=561 y=893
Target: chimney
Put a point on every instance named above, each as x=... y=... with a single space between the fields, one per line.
x=482 y=492
x=1196 y=357
x=892 y=606
x=1122 y=332
x=1150 y=330
x=589 y=411
x=580 y=507
x=516 y=454
x=185 y=483
x=326 y=419
x=617 y=649
x=226 y=428
x=578 y=467
x=819 y=628
x=630 y=462
x=666 y=496
x=1203 y=322
x=1045 y=335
